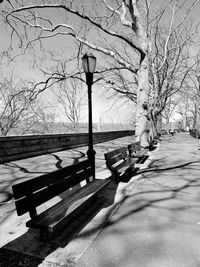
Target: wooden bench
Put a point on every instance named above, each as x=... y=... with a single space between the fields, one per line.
x=34 y=192
x=119 y=162
x=153 y=142
x=137 y=152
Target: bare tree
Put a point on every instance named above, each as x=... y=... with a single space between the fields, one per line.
x=71 y=97
x=14 y=104
x=189 y=96
x=19 y=112
x=170 y=59
x=120 y=25
x=41 y=119
x=170 y=109
x=117 y=30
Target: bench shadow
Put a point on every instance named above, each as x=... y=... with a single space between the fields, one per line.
x=128 y=175
x=30 y=244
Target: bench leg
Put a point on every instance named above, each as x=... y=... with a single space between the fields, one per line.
x=116 y=177
x=87 y=180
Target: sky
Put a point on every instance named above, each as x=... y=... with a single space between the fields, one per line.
x=103 y=108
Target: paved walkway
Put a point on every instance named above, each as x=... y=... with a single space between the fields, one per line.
x=151 y=221
x=15 y=236
x=158 y=223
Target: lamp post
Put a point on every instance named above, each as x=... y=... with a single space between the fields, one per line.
x=89 y=64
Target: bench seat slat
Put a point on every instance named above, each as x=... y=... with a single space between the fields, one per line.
x=97 y=187
x=27 y=187
x=39 y=197
x=113 y=153
x=112 y=162
x=57 y=214
x=119 y=162
x=69 y=200
x=129 y=164
x=118 y=165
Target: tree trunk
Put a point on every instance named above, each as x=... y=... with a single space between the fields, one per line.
x=198 y=119
x=142 y=125
x=184 y=120
x=152 y=131
x=159 y=124
x=194 y=126
x=154 y=128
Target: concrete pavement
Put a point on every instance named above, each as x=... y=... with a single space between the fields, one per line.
x=158 y=222
x=15 y=236
x=152 y=220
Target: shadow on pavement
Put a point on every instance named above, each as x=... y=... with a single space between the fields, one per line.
x=168 y=192
x=29 y=243
x=143 y=197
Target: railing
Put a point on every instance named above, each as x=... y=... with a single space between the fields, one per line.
x=20 y=147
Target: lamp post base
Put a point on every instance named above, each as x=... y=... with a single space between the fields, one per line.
x=91 y=156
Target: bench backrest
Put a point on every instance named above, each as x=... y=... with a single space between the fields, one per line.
x=134 y=147
x=115 y=156
x=34 y=192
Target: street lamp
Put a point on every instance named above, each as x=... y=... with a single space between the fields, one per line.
x=89 y=64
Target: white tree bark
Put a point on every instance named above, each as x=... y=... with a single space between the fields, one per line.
x=142 y=104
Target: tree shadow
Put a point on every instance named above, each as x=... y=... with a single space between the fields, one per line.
x=158 y=169
x=76 y=159
x=22 y=169
x=59 y=161
x=140 y=200
x=137 y=201
x=143 y=199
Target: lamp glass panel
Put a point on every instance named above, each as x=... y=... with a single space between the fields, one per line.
x=85 y=64
x=89 y=63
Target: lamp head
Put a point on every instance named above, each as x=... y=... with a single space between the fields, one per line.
x=89 y=63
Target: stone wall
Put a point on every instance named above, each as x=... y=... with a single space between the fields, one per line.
x=20 y=147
